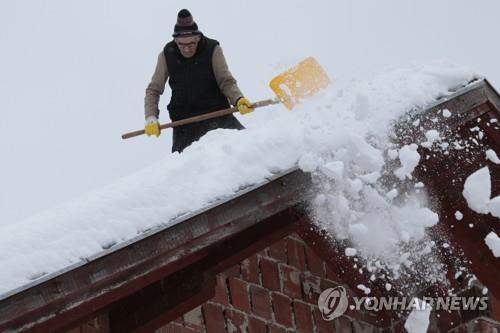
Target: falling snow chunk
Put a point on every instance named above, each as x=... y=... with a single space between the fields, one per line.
x=350 y=252
x=477 y=190
x=416 y=123
x=446 y=245
x=388 y=286
x=446 y=113
x=392 y=194
x=419 y=185
x=432 y=135
x=492 y=156
x=409 y=158
x=493 y=242
x=458 y=215
x=418 y=320
x=471 y=225
x=494 y=206
x=364 y=289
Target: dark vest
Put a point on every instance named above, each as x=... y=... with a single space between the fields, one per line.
x=194 y=92
x=192 y=80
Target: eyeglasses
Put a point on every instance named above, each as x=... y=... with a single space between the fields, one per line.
x=189 y=45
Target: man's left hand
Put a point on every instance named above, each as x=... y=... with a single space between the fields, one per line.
x=244 y=106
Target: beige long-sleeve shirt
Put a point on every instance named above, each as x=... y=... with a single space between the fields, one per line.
x=225 y=80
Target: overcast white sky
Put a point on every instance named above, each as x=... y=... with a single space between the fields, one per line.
x=73 y=73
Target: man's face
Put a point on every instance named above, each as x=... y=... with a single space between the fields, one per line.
x=187 y=45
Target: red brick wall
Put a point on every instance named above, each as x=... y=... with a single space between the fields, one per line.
x=274 y=291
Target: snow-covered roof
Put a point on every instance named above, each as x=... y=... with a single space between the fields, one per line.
x=226 y=165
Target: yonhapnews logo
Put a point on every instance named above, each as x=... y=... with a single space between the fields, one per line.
x=333 y=303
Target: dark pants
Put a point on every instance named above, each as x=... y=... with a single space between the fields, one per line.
x=184 y=136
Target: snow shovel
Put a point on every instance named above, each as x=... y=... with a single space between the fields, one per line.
x=303 y=80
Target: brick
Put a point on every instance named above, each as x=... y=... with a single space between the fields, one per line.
x=314 y=263
x=250 y=269
x=343 y=324
x=236 y=322
x=214 y=318
x=276 y=329
x=261 y=302
x=278 y=251
x=270 y=274
x=291 y=281
x=296 y=254
x=322 y=326
x=238 y=291
x=233 y=271
x=325 y=284
x=303 y=317
x=194 y=318
x=256 y=325
x=221 y=293
x=311 y=288
x=282 y=308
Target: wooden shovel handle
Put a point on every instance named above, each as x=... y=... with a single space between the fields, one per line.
x=206 y=116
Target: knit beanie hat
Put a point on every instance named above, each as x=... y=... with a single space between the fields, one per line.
x=185 y=25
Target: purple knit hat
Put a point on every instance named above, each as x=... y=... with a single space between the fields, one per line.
x=185 y=25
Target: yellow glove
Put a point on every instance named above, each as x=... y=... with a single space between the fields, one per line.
x=152 y=126
x=244 y=106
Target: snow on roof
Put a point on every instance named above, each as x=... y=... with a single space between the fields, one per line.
x=224 y=162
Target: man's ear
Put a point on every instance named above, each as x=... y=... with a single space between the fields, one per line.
x=198 y=38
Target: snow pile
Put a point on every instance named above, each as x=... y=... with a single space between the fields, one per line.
x=493 y=242
x=341 y=135
x=418 y=320
x=477 y=193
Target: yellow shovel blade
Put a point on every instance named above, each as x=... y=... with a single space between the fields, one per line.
x=301 y=81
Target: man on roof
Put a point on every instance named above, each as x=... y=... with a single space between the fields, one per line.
x=200 y=81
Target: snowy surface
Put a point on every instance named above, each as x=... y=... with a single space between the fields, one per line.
x=493 y=242
x=418 y=320
x=341 y=133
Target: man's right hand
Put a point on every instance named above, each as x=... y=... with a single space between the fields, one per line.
x=152 y=126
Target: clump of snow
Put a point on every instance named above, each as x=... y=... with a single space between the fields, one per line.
x=493 y=242
x=418 y=320
x=364 y=289
x=342 y=138
x=446 y=113
x=409 y=158
x=350 y=252
x=477 y=190
x=492 y=156
x=494 y=206
x=431 y=136
x=458 y=215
